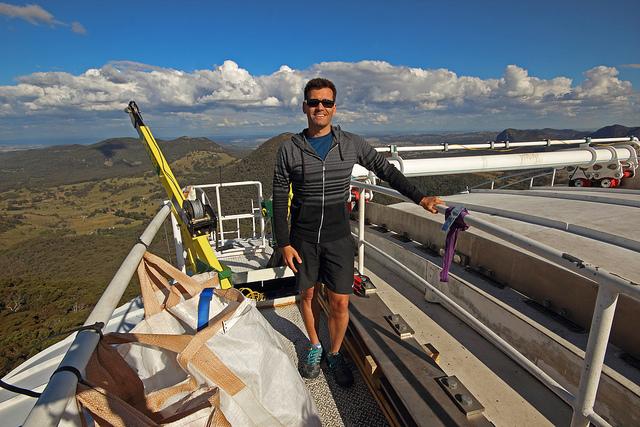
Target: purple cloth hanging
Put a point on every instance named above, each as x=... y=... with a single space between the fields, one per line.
x=450 y=242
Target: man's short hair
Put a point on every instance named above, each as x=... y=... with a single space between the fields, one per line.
x=319 y=83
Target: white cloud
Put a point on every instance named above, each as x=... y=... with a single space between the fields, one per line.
x=78 y=28
x=370 y=93
x=31 y=13
x=36 y=15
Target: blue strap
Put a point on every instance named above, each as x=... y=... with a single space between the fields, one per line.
x=203 y=307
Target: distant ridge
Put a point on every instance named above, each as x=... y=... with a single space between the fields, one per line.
x=616 y=131
x=68 y=164
x=515 y=135
x=613 y=131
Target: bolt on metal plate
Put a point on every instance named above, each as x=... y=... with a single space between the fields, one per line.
x=401 y=327
x=462 y=397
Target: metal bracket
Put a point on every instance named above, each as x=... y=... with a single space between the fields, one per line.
x=461 y=395
x=401 y=327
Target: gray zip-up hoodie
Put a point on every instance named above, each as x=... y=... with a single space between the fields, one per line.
x=321 y=187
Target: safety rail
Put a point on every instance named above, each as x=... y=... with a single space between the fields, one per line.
x=504 y=145
x=609 y=288
x=583 y=156
x=255 y=212
x=51 y=405
x=526 y=173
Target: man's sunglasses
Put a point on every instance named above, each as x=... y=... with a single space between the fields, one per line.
x=327 y=103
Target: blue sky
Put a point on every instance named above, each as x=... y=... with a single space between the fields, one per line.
x=216 y=68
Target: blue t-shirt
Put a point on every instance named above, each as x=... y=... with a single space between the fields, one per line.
x=322 y=144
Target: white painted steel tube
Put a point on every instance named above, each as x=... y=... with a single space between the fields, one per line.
x=590 y=233
x=483 y=330
x=361 y=207
x=62 y=386
x=503 y=144
x=592 y=190
x=564 y=196
x=501 y=162
x=177 y=240
x=594 y=356
x=220 y=226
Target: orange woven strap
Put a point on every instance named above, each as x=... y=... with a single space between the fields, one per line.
x=206 y=361
x=198 y=354
x=188 y=284
x=151 y=304
x=188 y=405
x=174 y=343
x=154 y=274
x=109 y=410
x=106 y=368
x=157 y=399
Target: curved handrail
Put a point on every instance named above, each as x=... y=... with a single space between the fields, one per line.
x=609 y=288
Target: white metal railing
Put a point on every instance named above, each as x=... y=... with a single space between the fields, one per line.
x=256 y=213
x=609 y=288
x=503 y=145
x=530 y=178
x=584 y=156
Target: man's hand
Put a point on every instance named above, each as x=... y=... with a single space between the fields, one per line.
x=429 y=203
x=290 y=254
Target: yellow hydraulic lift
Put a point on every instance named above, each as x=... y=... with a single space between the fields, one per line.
x=196 y=219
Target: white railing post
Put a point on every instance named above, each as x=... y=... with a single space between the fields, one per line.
x=361 y=204
x=220 y=226
x=553 y=177
x=531 y=182
x=594 y=356
x=177 y=240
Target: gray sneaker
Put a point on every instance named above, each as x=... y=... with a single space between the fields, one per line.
x=311 y=366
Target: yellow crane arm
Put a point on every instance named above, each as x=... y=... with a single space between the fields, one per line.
x=199 y=252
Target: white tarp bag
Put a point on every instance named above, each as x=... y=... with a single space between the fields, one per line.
x=238 y=351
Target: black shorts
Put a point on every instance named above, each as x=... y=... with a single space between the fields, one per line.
x=330 y=263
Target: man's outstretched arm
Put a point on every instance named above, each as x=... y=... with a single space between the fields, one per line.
x=374 y=161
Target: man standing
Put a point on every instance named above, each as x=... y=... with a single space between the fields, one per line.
x=319 y=248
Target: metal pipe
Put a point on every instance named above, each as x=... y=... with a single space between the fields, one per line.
x=483 y=330
x=573 y=263
x=530 y=179
x=565 y=196
x=579 y=230
x=501 y=162
x=220 y=226
x=177 y=240
x=497 y=145
x=592 y=190
x=502 y=178
x=361 y=207
x=594 y=356
x=62 y=386
x=594 y=273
